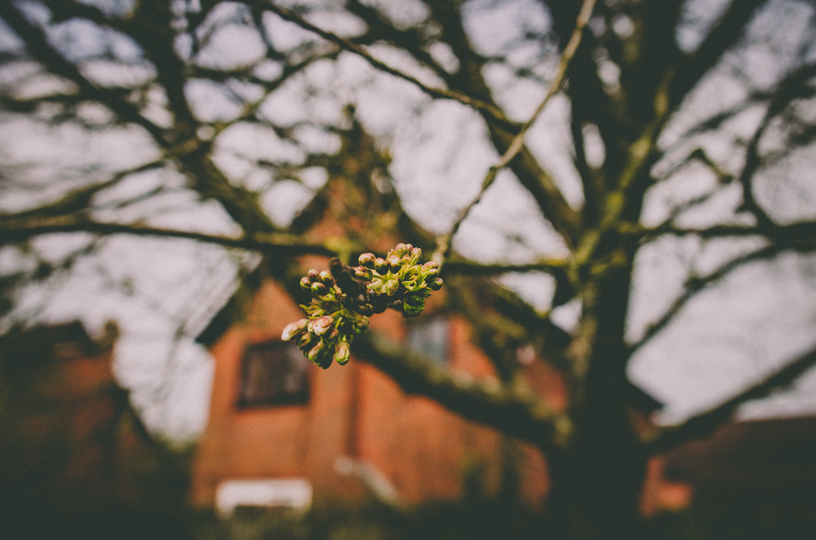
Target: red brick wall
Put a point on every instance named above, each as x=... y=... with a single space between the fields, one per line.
x=353 y=411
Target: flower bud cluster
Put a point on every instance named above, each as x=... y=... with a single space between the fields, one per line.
x=399 y=280
x=325 y=336
x=344 y=297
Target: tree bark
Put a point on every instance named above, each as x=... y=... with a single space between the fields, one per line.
x=597 y=480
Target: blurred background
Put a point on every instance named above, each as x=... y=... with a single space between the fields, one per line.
x=638 y=281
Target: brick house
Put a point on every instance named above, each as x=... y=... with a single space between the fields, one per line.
x=749 y=480
x=283 y=431
x=75 y=459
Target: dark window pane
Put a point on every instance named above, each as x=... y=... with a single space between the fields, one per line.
x=274 y=373
x=430 y=338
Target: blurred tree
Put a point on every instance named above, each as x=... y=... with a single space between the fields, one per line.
x=649 y=154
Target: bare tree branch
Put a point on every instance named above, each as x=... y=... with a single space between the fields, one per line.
x=697 y=284
x=444 y=242
x=788 y=89
x=12 y=230
x=786 y=233
x=410 y=40
x=705 y=424
x=79 y=200
x=728 y=31
x=38 y=46
x=464 y=267
x=515 y=411
x=490 y=110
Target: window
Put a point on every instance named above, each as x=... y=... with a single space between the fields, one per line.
x=430 y=338
x=274 y=373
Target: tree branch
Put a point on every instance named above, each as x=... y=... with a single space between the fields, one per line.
x=696 y=284
x=466 y=267
x=410 y=40
x=13 y=230
x=705 y=424
x=79 y=199
x=514 y=411
x=445 y=242
x=788 y=89
x=490 y=110
x=801 y=231
x=730 y=28
x=41 y=50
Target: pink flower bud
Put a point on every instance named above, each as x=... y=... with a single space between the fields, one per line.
x=342 y=353
x=322 y=325
x=316 y=352
x=319 y=289
x=326 y=278
x=394 y=263
x=307 y=341
x=294 y=329
x=367 y=260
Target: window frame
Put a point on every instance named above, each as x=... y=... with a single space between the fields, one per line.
x=286 y=359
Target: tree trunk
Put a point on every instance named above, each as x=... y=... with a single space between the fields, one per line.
x=597 y=480
x=596 y=483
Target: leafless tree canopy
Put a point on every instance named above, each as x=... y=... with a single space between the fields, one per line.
x=595 y=178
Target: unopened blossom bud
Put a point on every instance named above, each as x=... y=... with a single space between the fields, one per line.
x=317 y=351
x=326 y=278
x=435 y=283
x=367 y=260
x=294 y=329
x=361 y=272
x=322 y=325
x=361 y=326
x=413 y=305
x=313 y=274
x=394 y=263
x=307 y=341
x=319 y=289
x=306 y=284
x=324 y=361
x=380 y=265
x=342 y=352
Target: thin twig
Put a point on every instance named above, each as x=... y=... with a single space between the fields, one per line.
x=704 y=424
x=470 y=268
x=445 y=243
x=17 y=231
x=287 y=14
x=696 y=284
